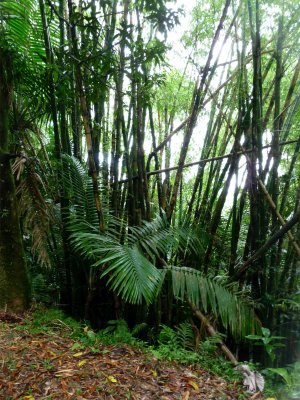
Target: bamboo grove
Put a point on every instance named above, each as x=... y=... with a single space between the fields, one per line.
x=134 y=168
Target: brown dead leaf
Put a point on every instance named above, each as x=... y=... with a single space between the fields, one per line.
x=50 y=368
x=186 y=395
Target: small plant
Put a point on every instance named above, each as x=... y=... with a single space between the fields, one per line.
x=290 y=379
x=179 y=344
x=118 y=331
x=267 y=341
x=181 y=337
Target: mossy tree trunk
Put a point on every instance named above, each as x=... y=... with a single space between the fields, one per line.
x=14 y=284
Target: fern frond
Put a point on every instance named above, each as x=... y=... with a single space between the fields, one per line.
x=168 y=336
x=186 y=336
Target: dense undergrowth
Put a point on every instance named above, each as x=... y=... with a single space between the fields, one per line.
x=176 y=344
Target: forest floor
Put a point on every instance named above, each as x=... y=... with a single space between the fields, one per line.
x=51 y=365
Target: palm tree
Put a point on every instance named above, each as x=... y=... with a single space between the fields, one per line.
x=129 y=260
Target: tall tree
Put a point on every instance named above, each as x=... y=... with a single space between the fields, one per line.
x=14 y=284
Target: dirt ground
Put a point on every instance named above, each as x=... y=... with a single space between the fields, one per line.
x=50 y=366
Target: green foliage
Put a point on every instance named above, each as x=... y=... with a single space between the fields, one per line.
x=158 y=237
x=287 y=386
x=182 y=336
x=50 y=320
x=214 y=297
x=133 y=276
x=186 y=336
x=267 y=341
x=135 y=260
x=179 y=344
x=118 y=331
x=21 y=27
x=79 y=190
x=160 y=16
x=284 y=374
x=43 y=290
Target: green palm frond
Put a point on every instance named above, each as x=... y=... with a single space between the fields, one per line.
x=153 y=237
x=23 y=29
x=15 y=19
x=158 y=237
x=187 y=240
x=213 y=297
x=78 y=187
x=135 y=278
x=93 y=245
x=131 y=274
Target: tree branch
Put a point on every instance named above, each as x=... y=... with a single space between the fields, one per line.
x=263 y=249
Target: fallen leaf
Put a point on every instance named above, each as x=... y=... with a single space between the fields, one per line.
x=112 y=379
x=186 y=395
x=78 y=354
x=81 y=363
x=194 y=385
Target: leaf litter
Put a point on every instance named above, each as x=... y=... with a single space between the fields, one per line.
x=49 y=366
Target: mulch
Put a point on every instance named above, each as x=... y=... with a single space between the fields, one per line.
x=51 y=366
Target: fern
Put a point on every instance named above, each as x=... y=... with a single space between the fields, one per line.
x=168 y=336
x=118 y=331
x=182 y=337
x=186 y=337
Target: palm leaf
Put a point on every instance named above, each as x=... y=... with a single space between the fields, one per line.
x=213 y=297
x=131 y=275
x=158 y=238
x=23 y=29
x=78 y=188
x=134 y=277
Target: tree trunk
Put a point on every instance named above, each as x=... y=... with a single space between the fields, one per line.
x=14 y=284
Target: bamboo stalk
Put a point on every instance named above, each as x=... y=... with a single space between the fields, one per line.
x=206 y=160
x=265 y=247
x=279 y=216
